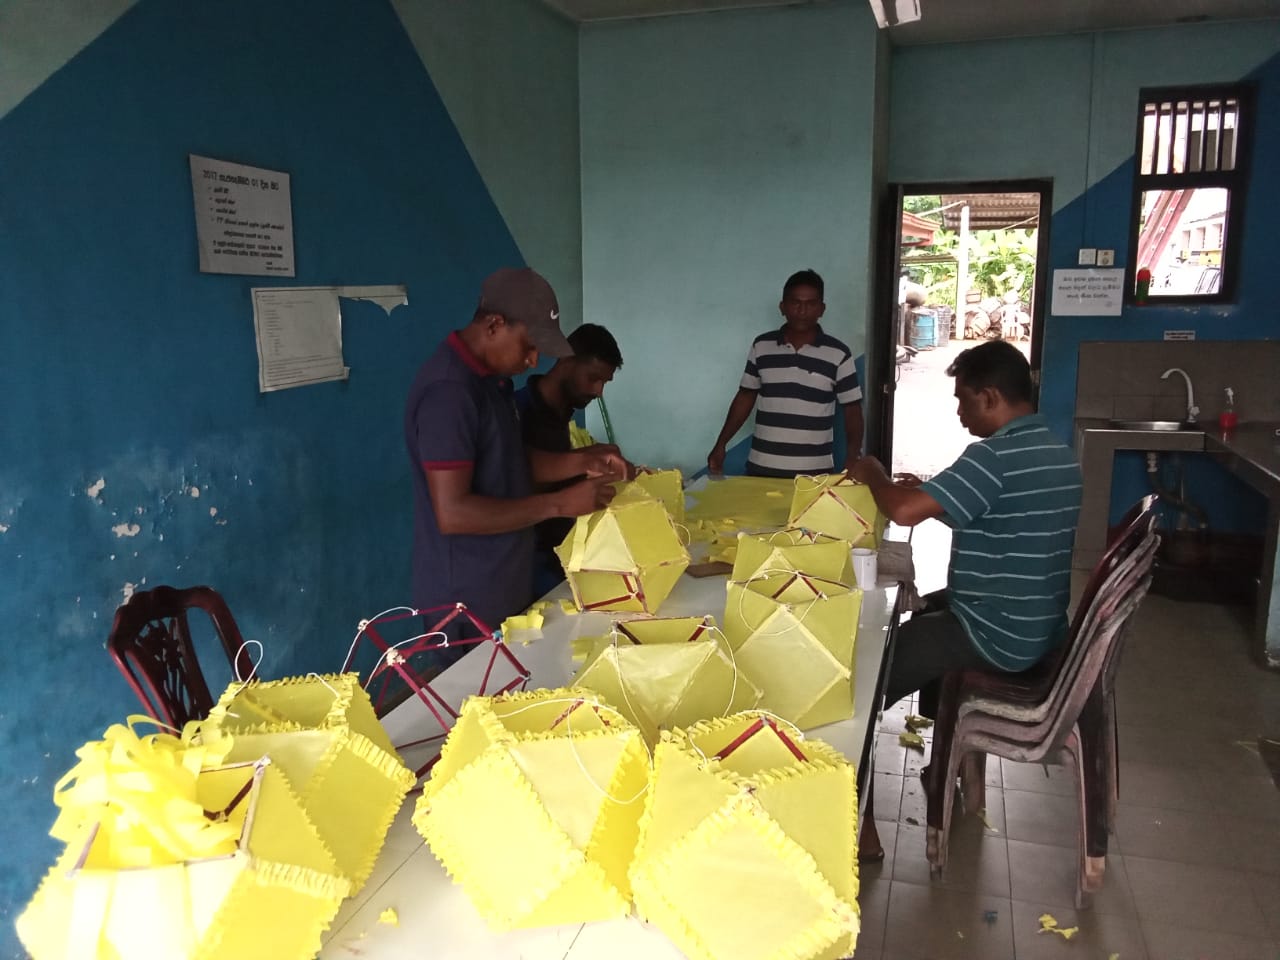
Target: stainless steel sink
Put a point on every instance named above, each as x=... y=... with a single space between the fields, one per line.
x=1161 y=426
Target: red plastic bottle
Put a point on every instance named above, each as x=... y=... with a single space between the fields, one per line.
x=1143 y=286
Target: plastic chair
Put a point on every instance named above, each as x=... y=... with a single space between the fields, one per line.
x=150 y=643
x=1064 y=705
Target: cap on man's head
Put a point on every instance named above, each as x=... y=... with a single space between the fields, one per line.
x=523 y=296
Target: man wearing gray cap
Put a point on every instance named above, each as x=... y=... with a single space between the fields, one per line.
x=473 y=483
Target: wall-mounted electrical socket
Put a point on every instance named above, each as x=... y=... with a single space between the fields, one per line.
x=1088 y=257
x=1106 y=258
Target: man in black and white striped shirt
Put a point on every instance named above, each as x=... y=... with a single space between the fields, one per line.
x=799 y=375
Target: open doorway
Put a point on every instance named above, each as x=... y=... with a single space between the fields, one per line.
x=965 y=264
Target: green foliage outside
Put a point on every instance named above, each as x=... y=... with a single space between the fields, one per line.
x=999 y=260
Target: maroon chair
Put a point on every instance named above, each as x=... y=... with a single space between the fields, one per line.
x=1066 y=703
x=150 y=643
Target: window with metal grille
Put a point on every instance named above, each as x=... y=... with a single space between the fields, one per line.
x=1188 y=194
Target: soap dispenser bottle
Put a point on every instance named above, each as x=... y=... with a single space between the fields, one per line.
x=1227 y=418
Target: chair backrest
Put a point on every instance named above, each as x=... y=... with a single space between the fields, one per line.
x=151 y=644
x=1099 y=630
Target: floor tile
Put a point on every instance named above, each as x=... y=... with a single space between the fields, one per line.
x=1044 y=873
x=975 y=862
x=1170 y=942
x=873 y=903
x=1036 y=778
x=1253 y=845
x=888 y=796
x=890 y=754
x=1187 y=837
x=915 y=807
x=1245 y=798
x=936 y=923
x=888 y=832
x=1266 y=893
x=1098 y=934
x=1157 y=785
x=1041 y=817
x=1200 y=897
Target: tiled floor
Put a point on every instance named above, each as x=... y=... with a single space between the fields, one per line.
x=1194 y=865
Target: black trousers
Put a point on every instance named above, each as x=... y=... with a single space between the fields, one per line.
x=928 y=646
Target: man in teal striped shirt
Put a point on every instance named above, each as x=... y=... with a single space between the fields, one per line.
x=1012 y=500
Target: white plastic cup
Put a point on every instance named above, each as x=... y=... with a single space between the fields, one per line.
x=864 y=567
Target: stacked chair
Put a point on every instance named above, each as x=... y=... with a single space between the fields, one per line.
x=1066 y=705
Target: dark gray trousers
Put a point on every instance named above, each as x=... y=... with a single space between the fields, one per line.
x=928 y=646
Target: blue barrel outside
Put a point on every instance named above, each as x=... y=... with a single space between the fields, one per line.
x=922 y=330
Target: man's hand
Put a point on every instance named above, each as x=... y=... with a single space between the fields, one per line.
x=715 y=460
x=869 y=470
x=907 y=480
x=604 y=460
x=586 y=496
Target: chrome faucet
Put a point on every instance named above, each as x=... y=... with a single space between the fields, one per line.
x=1192 y=410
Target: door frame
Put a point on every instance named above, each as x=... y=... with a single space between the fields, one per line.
x=880 y=335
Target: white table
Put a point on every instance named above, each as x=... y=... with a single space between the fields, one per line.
x=437 y=920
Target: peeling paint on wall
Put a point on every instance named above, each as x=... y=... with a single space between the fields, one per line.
x=4 y=528
x=95 y=489
x=126 y=530
x=213 y=512
x=195 y=492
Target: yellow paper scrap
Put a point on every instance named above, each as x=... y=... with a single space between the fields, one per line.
x=1049 y=924
x=526 y=621
x=1114 y=956
x=773 y=493
x=568 y=607
x=982 y=815
x=915 y=723
x=389 y=917
x=912 y=740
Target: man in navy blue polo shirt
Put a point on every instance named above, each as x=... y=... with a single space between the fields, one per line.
x=1012 y=501
x=473 y=483
x=795 y=379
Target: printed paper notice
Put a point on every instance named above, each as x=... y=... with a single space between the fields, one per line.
x=244 y=218
x=299 y=332
x=1087 y=293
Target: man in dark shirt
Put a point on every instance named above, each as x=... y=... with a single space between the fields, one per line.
x=546 y=405
x=473 y=483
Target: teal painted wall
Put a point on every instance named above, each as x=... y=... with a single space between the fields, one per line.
x=1071 y=115
x=123 y=362
x=720 y=153
x=508 y=74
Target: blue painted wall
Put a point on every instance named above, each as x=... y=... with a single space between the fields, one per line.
x=1066 y=108
x=720 y=153
x=123 y=362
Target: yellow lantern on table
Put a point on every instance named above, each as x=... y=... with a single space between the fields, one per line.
x=748 y=846
x=534 y=807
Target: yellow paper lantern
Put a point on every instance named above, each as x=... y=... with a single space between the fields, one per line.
x=793 y=636
x=535 y=805
x=666 y=486
x=793 y=551
x=838 y=507
x=271 y=893
x=325 y=738
x=626 y=557
x=665 y=673
x=748 y=844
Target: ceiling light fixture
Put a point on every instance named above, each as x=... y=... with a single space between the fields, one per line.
x=891 y=13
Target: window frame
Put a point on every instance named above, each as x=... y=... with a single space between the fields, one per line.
x=1235 y=181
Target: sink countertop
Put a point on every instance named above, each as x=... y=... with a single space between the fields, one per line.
x=1127 y=438
x=1256 y=452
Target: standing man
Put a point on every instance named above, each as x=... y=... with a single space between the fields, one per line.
x=1012 y=500
x=800 y=375
x=473 y=484
x=546 y=404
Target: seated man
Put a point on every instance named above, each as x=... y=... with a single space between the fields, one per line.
x=547 y=403
x=1012 y=500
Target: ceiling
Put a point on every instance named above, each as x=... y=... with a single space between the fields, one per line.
x=952 y=20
